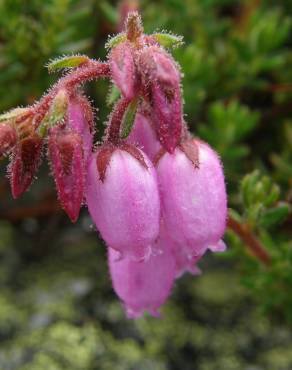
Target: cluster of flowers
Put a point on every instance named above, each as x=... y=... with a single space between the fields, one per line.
x=155 y=193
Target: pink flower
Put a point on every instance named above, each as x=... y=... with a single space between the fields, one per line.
x=143 y=135
x=123 y=199
x=143 y=286
x=193 y=196
x=183 y=261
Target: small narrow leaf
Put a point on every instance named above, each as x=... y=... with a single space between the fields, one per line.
x=14 y=113
x=56 y=112
x=128 y=119
x=113 y=96
x=275 y=215
x=115 y=40
x=67 y=62
x=168 y=40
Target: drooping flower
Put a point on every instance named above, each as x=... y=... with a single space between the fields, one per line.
x=143 y=286
x=183 y=261
x=123 y=199
x=193 y=196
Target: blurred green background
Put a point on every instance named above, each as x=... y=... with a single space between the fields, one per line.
x=57 y=307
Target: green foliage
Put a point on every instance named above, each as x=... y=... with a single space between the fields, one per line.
x=57 y=308
x=66 y=62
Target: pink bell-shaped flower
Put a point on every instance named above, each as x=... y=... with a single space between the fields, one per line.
x=144 y=136
x=183 y=261
x=193 y=197
x=123 y=199
x=143 y=286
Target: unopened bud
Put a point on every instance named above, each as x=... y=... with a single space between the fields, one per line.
x=134 y=27
x=167 y=115
x=8 y=138
x=66 y=155
x=24 y=164
x=123 y=69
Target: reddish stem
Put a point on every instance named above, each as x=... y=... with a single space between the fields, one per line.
x=115 y=120
x=252 y=243
x=88 y=71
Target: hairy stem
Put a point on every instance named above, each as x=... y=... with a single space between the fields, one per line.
x=250 y=240
x=115 y=120
x=89 y=71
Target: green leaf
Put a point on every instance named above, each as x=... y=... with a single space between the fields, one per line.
x=113 y=95
x=129 y=118
x=109 y=12
x=115 y=40
x=168 y=40
x=275 y=215
x=56 y=112
x=67 y=62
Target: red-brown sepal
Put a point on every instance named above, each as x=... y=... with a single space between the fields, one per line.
x=8 y=138
x=134 y=152
x=105 y=153
x=103 y=158
x=191 y=150
x=24 y=164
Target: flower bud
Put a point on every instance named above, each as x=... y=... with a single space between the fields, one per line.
x=68 y=167
x=157 y=66
x=167 y=115
x=144 y=136
x=8 y=138
x=123 y=200
x=194 y=206
x=80 y=121
x=24 y=164
x=123 y=69
x=142 y=286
